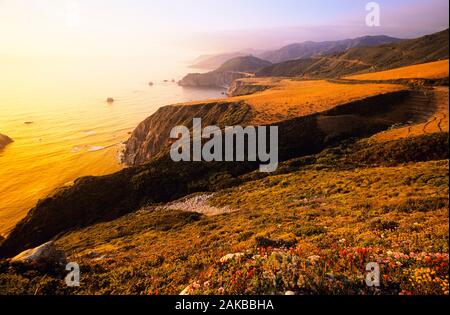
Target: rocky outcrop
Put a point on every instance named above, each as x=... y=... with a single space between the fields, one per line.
x=4 y=141
x=242 y=87
x=214 y=79
x=152 y=137
x=223 y=77
x=46 y=254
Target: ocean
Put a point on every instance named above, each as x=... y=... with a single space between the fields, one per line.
x=63 y=128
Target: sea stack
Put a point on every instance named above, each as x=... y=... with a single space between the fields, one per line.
x=4 y=141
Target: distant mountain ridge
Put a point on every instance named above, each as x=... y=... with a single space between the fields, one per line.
x=365 y=59
x=211 y=62
x=244 y=64
x=236 y=68
x=293 y=51
x=310 y=49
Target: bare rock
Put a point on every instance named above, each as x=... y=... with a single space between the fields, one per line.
x=229 y=257
x=46 y=254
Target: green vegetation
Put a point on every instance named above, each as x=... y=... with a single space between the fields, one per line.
x=311 y=228
x=364 y=59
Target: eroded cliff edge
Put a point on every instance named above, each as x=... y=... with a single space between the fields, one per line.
x=151 y=138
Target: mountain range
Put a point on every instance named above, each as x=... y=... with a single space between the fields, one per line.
x=310 y=49
x=365 y=59
x=294 y=51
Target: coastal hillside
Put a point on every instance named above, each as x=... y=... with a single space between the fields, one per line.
x=286 y=100
x=212 y=62
x=313 y=49
x=294 y=51
x=248 y=64
x=363 y=176
x=304 y=111
x=276 y=168
x=222 y=77
x=319 y=217
x=365 y=59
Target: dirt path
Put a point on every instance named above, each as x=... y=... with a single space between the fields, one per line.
x=432 y=115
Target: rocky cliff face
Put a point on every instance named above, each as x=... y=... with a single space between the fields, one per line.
x=242 y=87
x=214 y=79
x=4 y=141
x=152 y=137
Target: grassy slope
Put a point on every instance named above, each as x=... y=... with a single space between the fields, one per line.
x=432 y=70
x=332 y=213
x=365 y=59
x=289 y=98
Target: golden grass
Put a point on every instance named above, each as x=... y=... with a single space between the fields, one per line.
x=432 y=70
x=289 y=99
x=322 y=210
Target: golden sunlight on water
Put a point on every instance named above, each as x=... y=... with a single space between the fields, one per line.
x=63 y=128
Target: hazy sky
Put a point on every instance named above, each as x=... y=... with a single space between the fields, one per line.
x=129 y=28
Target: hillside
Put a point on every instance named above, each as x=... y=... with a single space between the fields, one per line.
x=363 y=177
x=294 y=51
x=310 y=228
x=222 y=77
x=213 y=79
x=315 y=117
x=311 y=49
x=365 y=59
x=432 y=70
x=284 y=101
x=212 y=62
x=248 y=64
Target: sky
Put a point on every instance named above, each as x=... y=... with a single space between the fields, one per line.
x=61 y=29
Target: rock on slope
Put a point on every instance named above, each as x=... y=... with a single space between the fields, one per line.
x=4 y=141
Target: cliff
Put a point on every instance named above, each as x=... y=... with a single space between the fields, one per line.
x=152 y=137
x=213 y=79
x=247 y=86
x=233 y=69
